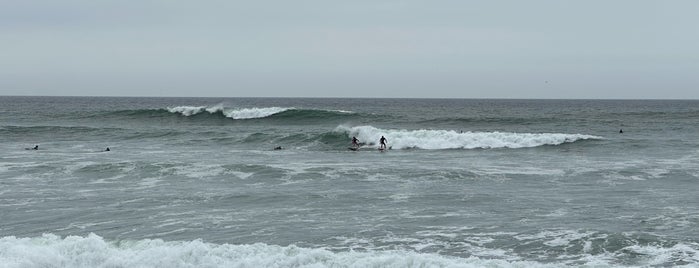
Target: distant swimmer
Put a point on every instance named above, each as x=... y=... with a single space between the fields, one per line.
x=278 y=148
x=355 y=142
x=382 y=143
x=36 y=147
x=107 y=150
x=621 y=131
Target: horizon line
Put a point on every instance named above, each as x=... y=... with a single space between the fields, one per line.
x=289 y=97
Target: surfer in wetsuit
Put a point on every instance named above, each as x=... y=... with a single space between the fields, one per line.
x=382 y=143
x=355 y=142
x=36 y=147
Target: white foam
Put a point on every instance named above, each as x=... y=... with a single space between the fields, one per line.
x=187 y=110
x=342 y=111
x=555 y=237
x=215 y=108
x=660 y=256
x=449 y=139
x=243 y=113
x=93 y=251
x=241 y=175
x=198 y=171
x=149 y=182
x=250 y=113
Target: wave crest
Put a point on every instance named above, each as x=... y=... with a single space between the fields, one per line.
x=450 y=139
x=244 y=113
x=282 y=113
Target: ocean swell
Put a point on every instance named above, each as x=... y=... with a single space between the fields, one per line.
x=450 y=139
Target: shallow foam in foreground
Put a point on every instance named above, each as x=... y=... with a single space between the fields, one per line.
x=93 y=251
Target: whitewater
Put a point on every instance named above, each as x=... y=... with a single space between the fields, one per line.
x=270 y=182
x=451 y=139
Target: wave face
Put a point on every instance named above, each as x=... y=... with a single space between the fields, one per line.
x=450 y=139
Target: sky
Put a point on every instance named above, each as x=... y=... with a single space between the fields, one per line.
x=592 y=49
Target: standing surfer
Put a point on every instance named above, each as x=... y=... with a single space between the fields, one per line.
x=382 y=143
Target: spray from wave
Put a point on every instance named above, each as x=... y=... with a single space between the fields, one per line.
x=450 y=139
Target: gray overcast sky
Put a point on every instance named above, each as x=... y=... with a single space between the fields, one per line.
x=324 y=48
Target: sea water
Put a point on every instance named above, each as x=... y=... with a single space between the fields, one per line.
x=197 y=182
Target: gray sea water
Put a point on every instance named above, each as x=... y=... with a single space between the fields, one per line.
x=196 y=182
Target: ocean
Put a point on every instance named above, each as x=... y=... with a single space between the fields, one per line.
x=197 y=182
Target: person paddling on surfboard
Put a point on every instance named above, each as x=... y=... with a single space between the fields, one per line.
x=382 y=143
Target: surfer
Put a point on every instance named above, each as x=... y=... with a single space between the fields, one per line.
x=355 y=142
x=36 y=147
x=107 y=150
x=621 y=131
x=382 y=143
x=278 y=148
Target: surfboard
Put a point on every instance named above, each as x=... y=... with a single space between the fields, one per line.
x=353 y=148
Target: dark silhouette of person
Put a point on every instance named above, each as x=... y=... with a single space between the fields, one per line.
x=107 y=150
x=621 y=131
x=36 y=147
x=382 y=142
x=355 y=142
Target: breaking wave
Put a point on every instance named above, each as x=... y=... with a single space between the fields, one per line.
x=222 y=112
x=259 y=112
x=450 y=139
x=245 y=113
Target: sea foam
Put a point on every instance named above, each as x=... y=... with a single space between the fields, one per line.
x=450 y=139
x=93 y=251
x=251 y=113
